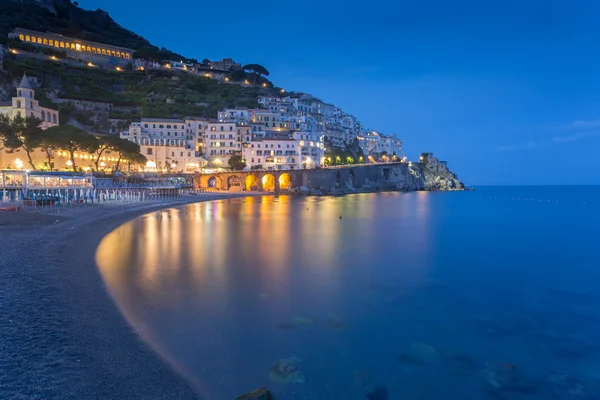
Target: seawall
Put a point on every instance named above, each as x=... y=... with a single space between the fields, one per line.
x=336 y=180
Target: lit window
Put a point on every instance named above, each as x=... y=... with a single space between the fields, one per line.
x=39 y=40
x=127 y=56
x=51 y=43
x=27 y=39
x=45 y=41
x=78 y=47
x=21 y=37
x=103 y=52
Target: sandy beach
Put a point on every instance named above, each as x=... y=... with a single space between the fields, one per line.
x=61 y=336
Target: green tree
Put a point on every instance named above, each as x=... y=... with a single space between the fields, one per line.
x=129 y=151
x=72 y=139
x=136 y=159
x=256 y=70
x=8 y=135
x=236 y=163
x=48 y=144
x=25 y=134
x=107 y=144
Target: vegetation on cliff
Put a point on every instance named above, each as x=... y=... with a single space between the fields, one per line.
x=132 y=94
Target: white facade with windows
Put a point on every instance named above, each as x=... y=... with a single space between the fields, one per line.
x=26 y=106
x=301 y=150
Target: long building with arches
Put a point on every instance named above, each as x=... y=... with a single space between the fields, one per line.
x=97 y=53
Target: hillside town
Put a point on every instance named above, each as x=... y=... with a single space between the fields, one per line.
x=285 y=132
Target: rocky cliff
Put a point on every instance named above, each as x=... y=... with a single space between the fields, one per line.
x=376 y=178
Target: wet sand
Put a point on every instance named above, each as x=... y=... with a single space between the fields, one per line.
x=61 y=336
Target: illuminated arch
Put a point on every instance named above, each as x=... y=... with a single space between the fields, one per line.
x=285 y=181
x=268 y=183
x=251 y=183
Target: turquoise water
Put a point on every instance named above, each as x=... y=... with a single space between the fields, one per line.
x=493 y=293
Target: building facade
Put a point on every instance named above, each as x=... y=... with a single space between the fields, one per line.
x=25 y=105
x=90 y=52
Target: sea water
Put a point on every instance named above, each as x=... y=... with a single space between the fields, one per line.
x=492 y=293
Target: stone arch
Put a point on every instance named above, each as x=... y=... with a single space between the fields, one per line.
x=214 y=182
x=314 y=152
x=268 y=183
x=43 y=115
x=285 y=181
x=234 y=183
x=54 y=119
x=252 y=183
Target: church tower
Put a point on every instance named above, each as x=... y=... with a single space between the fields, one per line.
x=25 y=103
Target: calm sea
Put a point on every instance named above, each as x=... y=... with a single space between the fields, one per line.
x=493 y=293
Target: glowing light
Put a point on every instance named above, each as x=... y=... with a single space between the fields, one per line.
x=226 y=79
x=264 y=85
x=90 y=64
x=246 y=82
x=218 y=160
x=103 y=164
x=173 y=165
x=118 y=69
x=19 y=163
x=69 y=163
x=53 y=58
x=150 y=165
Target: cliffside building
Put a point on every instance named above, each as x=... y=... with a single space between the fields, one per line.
x=90 y=52
x=25 y=105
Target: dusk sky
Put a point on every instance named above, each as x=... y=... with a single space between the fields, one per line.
x=508 y=92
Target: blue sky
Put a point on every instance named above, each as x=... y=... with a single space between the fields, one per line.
x=508 y=92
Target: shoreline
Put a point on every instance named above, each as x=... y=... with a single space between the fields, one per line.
x=61 y=334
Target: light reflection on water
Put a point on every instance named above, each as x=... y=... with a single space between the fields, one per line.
x=210 y=285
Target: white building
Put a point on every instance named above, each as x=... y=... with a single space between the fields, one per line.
x=25 y=105
x=168 y=144
x=300 y=150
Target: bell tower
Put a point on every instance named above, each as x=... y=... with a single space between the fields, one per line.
x=25 y=104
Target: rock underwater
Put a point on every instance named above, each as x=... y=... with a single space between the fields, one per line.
x=258 y=394
x=286 y=371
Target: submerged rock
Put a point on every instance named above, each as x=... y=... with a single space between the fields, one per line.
x=303 y=321
x=259 y=394
x=568 y=387
x=335 y=323
x=286 y=371
x=502 y=379
x=361 y=378
x=286 y=326
x=380 y=393
x=419 y=354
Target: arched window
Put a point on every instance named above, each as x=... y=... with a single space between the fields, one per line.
x=51 y=43
x=62 y=44
x=213 y=128
x=48 y=117
x=78 y=47
x=127 y=56
x=27 y=39
x=21 y=37
x=20 y=93
x=39 y=40
x=222 y=129
x=103 y=52
x=45 y=41
x=67 y=45
x=54 y=119
x=18 y=103
x=113 y=53
x=94 y=50
x=43 y=115
x=33 y=39
x=89 y=49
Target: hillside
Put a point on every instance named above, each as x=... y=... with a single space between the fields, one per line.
x=129 y=94
x=66 y=18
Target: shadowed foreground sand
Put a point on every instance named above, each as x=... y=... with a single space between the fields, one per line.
x=61 y=337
